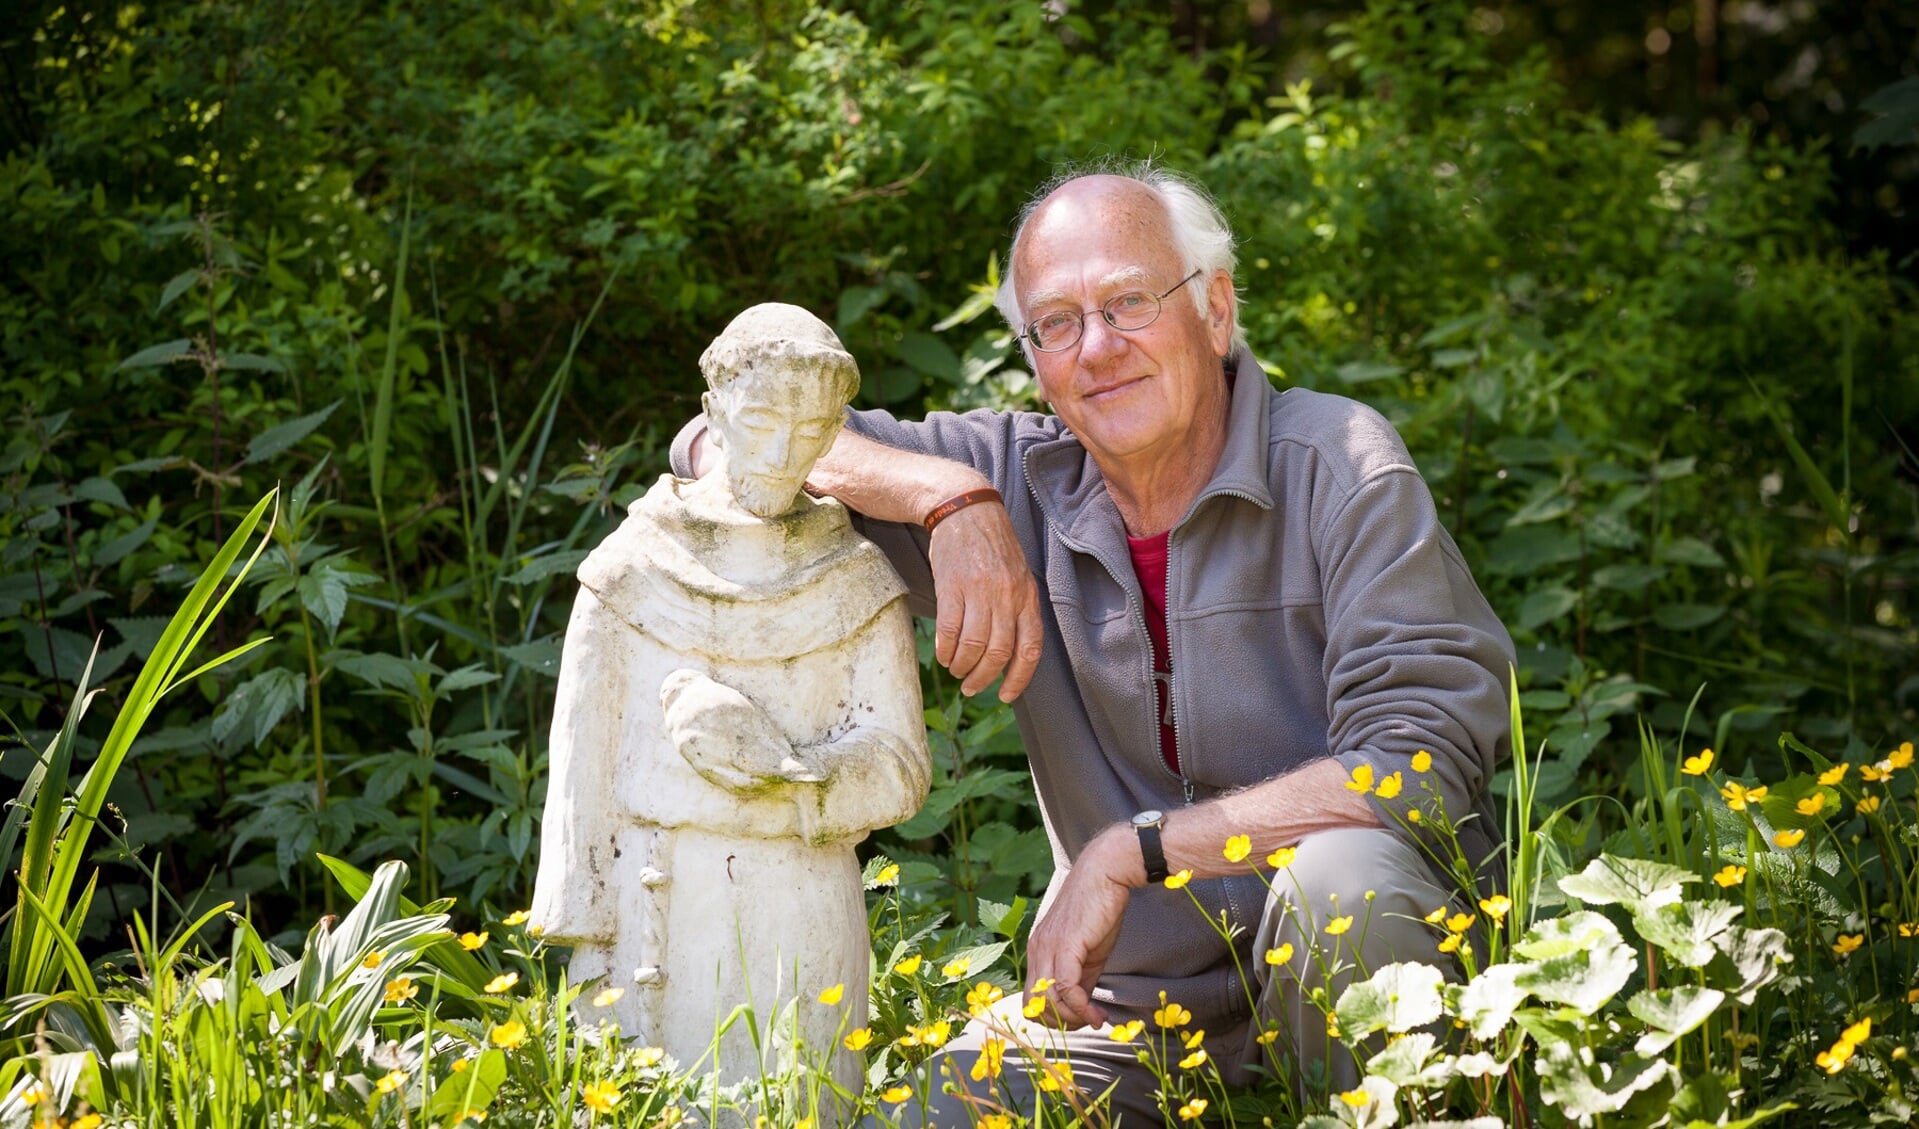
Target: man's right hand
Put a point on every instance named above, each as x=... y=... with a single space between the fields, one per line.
x=988 y=606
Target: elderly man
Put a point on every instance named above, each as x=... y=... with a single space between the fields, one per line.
x=1245 y=607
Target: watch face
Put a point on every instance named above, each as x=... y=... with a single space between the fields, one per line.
x=1147 y=819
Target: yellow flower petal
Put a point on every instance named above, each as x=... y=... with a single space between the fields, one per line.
x=1422 y=761
x=1848 y=943
x=1497 y=906
x=1730 y=875
x=1175 y=881
x=509 y=1035
x=833 y=995
x=1790 y=838
x=889 y=875
x=600 y=1097
x=956 y=968
x=1362 y=781
x=910 y=966
x=1867 y=806
x=896 y=1094
x=858 y=1039
x=1697 y=765
x=373 y=959
x=1192 y=1110
x=1834 y=774
x=609 y=997
x=1280 y=955
x=647 y=1057
x=1389 y=787
x=1282 y=858
x=1356 y=1098
x=472 y=941
x=1191 y=1061
x=1237 y=848
x=503 y=982
x=401 y=990
x=1127 y=1032
x=517 y=917
x=1811 y=805
x=1339 y=925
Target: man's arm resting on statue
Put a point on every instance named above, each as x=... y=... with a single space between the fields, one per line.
x=988 y=620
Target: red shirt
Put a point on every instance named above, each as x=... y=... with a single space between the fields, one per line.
x=1149 y=564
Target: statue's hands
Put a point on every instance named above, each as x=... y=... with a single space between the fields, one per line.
x=988 y=605
x=726 y=737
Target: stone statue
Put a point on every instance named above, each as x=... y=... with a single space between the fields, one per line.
x=738 y=705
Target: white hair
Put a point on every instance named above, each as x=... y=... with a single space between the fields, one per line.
x=1201 y=235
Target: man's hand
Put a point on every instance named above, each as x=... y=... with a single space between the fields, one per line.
x=988 y=605
x=1070 y=946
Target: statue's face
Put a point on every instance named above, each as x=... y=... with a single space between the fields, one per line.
x=772 y=432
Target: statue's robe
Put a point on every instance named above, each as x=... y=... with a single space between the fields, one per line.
x=696 y=896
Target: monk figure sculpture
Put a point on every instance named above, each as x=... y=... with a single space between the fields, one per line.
x=738 y=706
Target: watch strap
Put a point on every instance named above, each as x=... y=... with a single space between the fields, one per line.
x=1151 y=851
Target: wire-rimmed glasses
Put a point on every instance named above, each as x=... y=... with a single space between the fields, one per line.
x=1133 y=309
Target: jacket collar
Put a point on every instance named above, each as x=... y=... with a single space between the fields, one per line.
x=1071 y=492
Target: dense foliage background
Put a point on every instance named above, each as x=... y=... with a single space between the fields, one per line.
x=442 y=272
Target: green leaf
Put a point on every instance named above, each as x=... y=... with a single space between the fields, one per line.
x=471 y=1090
x=1543 y=605
x=1582 y=961
x=931 y=356
x=1689 y=551
x=114 y=551
x=465 y=678
x=1686 y=617
x=1488 y=1000
x=1671 y=1013
x=279 y=438
x=1686 y=931
x=1584 y=1091
x=1895 y=121
x=1530 y=550
x=254 y=707
x=389 y=367
x=856 y=302
x=1749 y=960
x=1365 y=372
x=251 y=362
x=1628 y=577
x=1634 y=883
x=162 y=354
x=542 y=656
x=102 y=490
x=177 y=285
x=1397 y=998
x=539 y=568
x=969 y=962
x=1409 y=1061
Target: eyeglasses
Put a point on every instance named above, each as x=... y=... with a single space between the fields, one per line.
x=1135 y=309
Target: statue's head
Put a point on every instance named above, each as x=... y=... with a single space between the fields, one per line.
x=778 y=382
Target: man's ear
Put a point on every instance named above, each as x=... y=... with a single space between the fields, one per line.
x=1221 y=302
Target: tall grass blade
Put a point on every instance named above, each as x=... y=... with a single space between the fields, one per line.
x=389 y=368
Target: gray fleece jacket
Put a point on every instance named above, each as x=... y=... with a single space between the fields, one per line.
x=1316 y=607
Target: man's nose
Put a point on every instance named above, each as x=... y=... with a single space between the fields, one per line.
x=780 y=448
x=1098 y=340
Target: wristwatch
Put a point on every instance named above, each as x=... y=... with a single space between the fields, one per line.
x=1146 y=825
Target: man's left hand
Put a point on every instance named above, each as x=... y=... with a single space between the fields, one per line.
x=1070 y=945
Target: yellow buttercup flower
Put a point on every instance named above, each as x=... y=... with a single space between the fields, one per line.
x=1875 y=773
x=1909 y=929
x=1811 y=805
x=1858 y=1032
x=401 y=990
x=600 y=1097
x=1171 y=1014
x=1282 y=858
x=1422 y=761
x=896 y=1094
x=1912 y=997
x=859 y=1039
x=910 y=966
x=1496 y=907
x=1126 y=1032
x=34 y=1094
x=1175 y=881
x=1900 y=757
x=1237 y=848
x=1339 y=925
x=1192 y=1039
x=987 y=1065
x=86 y=1121
x=1412 y=815
x=647 y=1057
x=390 y=1081
x=833 y=995
x=1460 y=922
x=889 y=875
x=1267 y=1037
x=1389 y=787
x=1034 y=1006
x=472 y=941
x=1356 y=1098
x=517 y=917
x=373 y=959
x=1834 y=1060
x=982 y=996
x=1194 y=1060
x=509 y=1035
x=1332 y=1026
x=460 y=1064
x=1697 y=765
x=935 y=1034
x=1362 y=781
x=1790 y=838
x=1436 y=916
x=1848 y=943
x=1730 y=875
x=1192 y=1110
x=1056 y=1077
x=1834 y=774
x=1280 y=955
x=609 y=997
x=956 y=968
x=1738 y=795
x=1451 y=943
x=996 y=1121
x=503 y=982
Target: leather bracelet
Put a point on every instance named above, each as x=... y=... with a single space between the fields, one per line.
x=959 y=502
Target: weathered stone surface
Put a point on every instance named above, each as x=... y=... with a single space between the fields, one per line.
x=738 y=706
